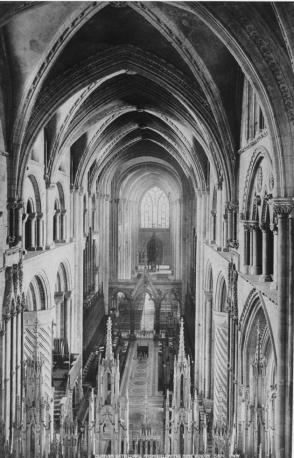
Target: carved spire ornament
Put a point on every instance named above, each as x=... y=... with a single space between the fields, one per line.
x=181 y=354
x=259 y=361
x=108 y=351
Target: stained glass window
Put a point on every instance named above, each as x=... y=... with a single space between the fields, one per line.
x=155 y=209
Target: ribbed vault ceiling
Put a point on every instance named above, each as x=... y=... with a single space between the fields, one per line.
x=113 y=83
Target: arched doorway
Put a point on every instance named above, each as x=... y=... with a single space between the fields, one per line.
x=258 y=376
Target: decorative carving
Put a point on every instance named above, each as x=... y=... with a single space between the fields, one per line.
x=118 y=4
x=254 y=142
x=232 y=206
x=259 y=361
x=265 y=207
x=256 y=156
x=246 y=225
x=232 y=297
x=15 y=279
x=283 y=206
x=269 y=54
x=264 y=227
x=246 y=306
x=8 y=290
x=259 y=179
x=271 y=183
x=220 y=183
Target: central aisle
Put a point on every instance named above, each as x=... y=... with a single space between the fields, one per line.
x=141 y=384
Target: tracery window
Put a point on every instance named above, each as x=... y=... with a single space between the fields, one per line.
x=155 y=209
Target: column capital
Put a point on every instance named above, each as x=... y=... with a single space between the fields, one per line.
x=253 y=225
x=58 y=296
x=32 y=215
x=232 y=206
x=264 y=227
x=220 y=184
x=49 y=184
x=14 y=204
x=283 y=206
x=246 y=225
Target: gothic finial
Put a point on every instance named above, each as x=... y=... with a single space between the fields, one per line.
x=109 y=353
x=181 y=355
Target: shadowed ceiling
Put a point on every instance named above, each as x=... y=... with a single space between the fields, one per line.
x=110 y=82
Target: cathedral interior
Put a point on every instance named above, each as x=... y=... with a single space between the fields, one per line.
x=146 y=228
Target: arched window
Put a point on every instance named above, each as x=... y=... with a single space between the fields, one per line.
x=155 y=209
x=36 y=297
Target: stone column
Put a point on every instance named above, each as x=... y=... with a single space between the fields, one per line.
x=58 y=298
x=255 y=268
x=230 y=221
x=71 y=215
x=157 y=319
x=232 y=208
x=39 y=227
x=3 y=366
x=265 y=261
x=57 y=219
x=250 y=248
x=18 y=222
x=67 y=318
x=198 y=285
x=50 y=189
x=8 y=374
x=290 y=321
x=283 y=207
x=19 y=334
x=219 y=226
x=212 y=226
x=32 y=217
x=208 y=334
x=63 y=231
x=246 y=247
x=24 y=220
x=274 y=284
x=14 y=364
x=225 y=232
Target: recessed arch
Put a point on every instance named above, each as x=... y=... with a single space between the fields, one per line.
x=221 y=294
x=37 y=197
x=37 y=294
